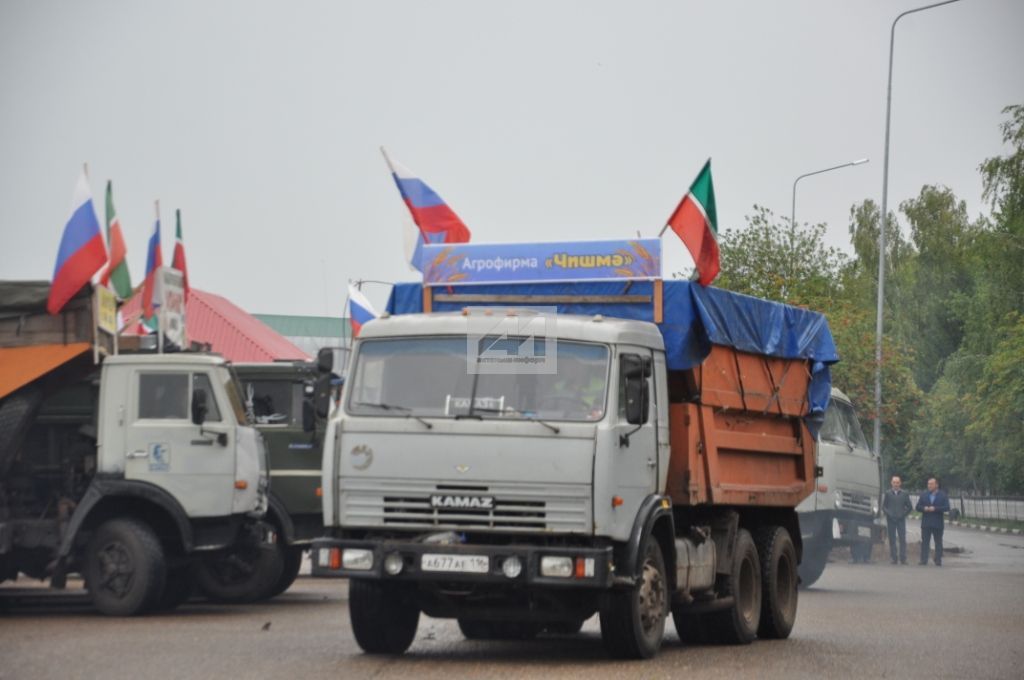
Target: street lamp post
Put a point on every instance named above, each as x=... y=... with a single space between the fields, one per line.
x=792 y=214
x=884 y=222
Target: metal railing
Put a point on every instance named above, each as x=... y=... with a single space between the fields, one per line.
x=1009 y=508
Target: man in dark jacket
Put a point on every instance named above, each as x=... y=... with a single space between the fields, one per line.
x=896 y=505
x=932 y=505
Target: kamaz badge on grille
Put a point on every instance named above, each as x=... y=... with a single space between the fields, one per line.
x=462 y=502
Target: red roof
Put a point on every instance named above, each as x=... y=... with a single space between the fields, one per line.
x=229 y=330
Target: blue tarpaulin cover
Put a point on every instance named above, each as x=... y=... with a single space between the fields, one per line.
x=695 y=318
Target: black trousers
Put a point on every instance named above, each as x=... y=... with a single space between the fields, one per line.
x=897 y=527
x=934 y=533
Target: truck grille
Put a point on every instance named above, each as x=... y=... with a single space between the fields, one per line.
x=858 y=502
x=517 y=507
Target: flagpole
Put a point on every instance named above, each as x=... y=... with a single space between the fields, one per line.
x=156 y=284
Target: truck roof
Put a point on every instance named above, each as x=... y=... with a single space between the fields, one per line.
x=592 y=328
x=174 y=359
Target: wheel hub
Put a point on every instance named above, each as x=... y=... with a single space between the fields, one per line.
x=652 y=597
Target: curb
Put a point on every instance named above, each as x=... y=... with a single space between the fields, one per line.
x=984 y=527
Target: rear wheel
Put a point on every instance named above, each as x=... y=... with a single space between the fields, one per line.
x=633 y=620
x=244 y=574
x=125 y=570
x=738 y=624
x=384 y=618
x=778 y=582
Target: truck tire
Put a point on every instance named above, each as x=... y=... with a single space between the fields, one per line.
x=384 y=617
x=777 y=553
x=244 y=574
x=125 y=570
x=812 y=566
x=475 y=629
x=291 y=564
x=737 y=625
x=178 y=587
x=633 y=620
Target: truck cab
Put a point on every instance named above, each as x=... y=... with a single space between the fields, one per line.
x=844 y=508
x=130 y=474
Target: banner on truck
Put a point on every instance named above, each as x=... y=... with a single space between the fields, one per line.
x=486 y=263
x=171 y=296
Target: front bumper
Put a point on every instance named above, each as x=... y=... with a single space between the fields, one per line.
x=840 y=527
x=412 y=558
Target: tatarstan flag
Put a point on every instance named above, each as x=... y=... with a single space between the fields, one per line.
x=116 y=272
x=179 y=256
x=696 y=223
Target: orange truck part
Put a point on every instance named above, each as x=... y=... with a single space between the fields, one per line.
x=743 y=440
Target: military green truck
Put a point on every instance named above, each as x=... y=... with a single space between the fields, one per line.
x=279 y=398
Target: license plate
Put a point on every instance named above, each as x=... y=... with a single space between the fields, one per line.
x=463 y=564
x=864 y=531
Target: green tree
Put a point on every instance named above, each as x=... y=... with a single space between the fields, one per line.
x=996 y=407
x=928 y=305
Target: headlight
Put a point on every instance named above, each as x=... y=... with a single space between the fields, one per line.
x=874 y=507
x=357 y=558
x=559 y=567
x=393 y=564
x=512 y=567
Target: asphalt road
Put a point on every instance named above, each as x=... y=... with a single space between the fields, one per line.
x=965 y=619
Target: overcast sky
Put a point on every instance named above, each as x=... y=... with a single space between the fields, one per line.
x=535 y=121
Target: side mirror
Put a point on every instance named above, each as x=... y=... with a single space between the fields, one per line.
x=325 y=360
x=635 y=371
x=199 y=408
x=322 y=396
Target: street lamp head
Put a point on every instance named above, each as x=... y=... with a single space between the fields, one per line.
x=858 y=162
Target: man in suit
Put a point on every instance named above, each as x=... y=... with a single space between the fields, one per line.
x=932 y=505
x=896 y=505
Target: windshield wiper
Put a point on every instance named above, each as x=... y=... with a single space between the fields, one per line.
x=395 y=407
x=532 y=419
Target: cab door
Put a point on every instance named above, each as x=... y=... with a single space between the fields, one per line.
x=194 y=463
x=635 y=463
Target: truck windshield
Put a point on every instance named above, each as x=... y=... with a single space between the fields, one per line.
x=430 y=377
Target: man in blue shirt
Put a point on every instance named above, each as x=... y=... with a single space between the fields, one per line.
x=932 y=505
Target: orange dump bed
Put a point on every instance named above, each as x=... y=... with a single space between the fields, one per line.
x=743 y=442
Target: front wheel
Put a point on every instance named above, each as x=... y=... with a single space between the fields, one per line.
x=815 y=558
x=633 y=620
x=384 y=618
x=125 y=568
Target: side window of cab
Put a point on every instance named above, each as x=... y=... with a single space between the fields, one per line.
x=201 y=381
x=163 y=396
x=167 y=396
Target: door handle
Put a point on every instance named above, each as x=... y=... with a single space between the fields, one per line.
x=651 y=463
x=136 y=454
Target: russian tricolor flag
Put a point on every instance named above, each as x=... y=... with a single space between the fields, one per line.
x=82 y=251
x=360 y=310
x=154 y=260
x=437 y=222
